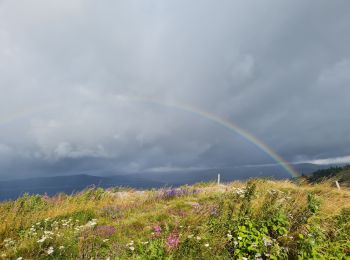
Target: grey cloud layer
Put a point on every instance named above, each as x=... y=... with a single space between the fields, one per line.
x=278 y=69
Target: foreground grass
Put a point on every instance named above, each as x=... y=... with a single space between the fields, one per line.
x=259 y=219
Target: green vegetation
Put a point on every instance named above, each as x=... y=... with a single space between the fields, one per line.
x=258 y=219
x=342 y=174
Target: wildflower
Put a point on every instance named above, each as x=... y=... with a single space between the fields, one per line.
x=198 y=238
x=267 y=242
x=19 y=258
x=105 y=231
x=235 y=243
x=189 y=236
x=130 y=244
x=229 y=236
x=91 y=223
x=61 y=247
x=132 y=248
x=173 y=241
x=105 y=240
x=157 y=229
x=42 y=239
x=239 y=238
x=244 y=258
x=50 y=250
x=9 y=242
x=206 y=245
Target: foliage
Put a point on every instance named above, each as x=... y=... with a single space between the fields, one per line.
x=260 y=219
x=323 y=174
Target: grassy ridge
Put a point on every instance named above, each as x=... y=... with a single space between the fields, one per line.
x=258 y=219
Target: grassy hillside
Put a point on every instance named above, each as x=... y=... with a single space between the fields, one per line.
x=341 y=174
x=258 y=219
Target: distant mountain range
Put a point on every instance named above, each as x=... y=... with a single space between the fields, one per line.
x=11 y=189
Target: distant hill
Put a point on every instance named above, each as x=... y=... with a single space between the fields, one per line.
x=341 y=174
x=12 y=189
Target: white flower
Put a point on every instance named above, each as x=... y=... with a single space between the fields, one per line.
x=132 y=248
x=92 y=223
x=61 y=247
x=239 y=238
x=190 y=236
x=229 y=236
x=130 y=244
x=198 y=238
x=105 y=240
x=206 y=245
x=19 y=258
x=50 y=250
x=42 y=239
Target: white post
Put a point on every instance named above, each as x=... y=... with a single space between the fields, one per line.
x=218 y=178
x=337 y=183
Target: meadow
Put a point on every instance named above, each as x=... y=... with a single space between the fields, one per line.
x=257 y=219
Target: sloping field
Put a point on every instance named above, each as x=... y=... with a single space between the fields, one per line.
x=258 y=219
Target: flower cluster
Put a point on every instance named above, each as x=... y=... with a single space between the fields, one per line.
x=131 y=245
x=50 y=250
x=176 y=192
x=173 y=241
x=46 y=235
x=240 y=192
x=105 y=231
x=157 y=230
x=9 y=242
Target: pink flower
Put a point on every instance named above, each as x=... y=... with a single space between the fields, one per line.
x=173 y=241
x=157 y=230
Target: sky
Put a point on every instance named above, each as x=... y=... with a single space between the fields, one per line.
x=86 y=85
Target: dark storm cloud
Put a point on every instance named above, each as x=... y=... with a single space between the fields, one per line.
x=70 y=72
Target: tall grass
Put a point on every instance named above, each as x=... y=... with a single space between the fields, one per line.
x=258 y=219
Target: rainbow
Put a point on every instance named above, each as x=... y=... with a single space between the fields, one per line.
x=227 y=124
x=194 y=110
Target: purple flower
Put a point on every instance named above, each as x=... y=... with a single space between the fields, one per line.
x=105 y=231
x=157 y=230
x=176 y=192
x=173 y=241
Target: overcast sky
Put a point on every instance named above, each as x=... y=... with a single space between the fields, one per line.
x=75 y=77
